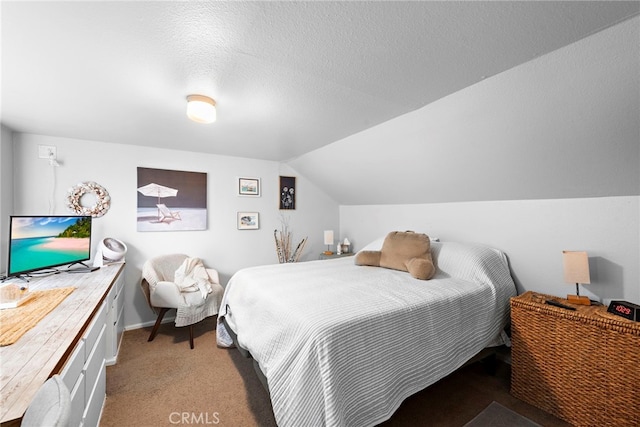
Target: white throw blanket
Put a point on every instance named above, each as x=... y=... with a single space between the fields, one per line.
x=195 y=285
x=192 y=276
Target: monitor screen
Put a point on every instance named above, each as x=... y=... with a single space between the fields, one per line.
x=43 y=242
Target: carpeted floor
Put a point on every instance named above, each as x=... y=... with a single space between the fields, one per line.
x=164 y=383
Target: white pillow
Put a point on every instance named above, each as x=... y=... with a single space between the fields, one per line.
x=376 y=245
x=471 y=261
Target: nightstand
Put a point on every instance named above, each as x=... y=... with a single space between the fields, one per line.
x=582 y=366
x=335 y=255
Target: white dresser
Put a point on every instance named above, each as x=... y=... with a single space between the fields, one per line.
x=115 y=320
x=76 y=340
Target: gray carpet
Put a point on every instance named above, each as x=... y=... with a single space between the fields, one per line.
x=496 y=415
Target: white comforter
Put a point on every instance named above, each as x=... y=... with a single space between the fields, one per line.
x=344 y=345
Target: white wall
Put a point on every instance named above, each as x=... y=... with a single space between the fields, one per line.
x=563 y=125
x=41 y=189
x=533 y=234
x=6 y=190
x=541 y=158
x=556 y=138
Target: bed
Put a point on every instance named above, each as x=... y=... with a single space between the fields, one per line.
x=343 y=345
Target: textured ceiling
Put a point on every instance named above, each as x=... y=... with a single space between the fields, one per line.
x=288 y=77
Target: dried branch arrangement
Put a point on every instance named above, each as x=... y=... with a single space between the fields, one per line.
x=284 y=247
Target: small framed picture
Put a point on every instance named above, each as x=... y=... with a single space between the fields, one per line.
x=249 y=187
x=287 y=192
x=248 y=220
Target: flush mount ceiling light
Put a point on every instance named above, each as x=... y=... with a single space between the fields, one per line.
x=201 y=109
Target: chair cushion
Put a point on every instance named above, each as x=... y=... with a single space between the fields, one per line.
x=159 y=269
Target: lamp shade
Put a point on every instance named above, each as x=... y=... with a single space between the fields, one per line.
x=201 y=109
x=576 y=267
x=328 y=237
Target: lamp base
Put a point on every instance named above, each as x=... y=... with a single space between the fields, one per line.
x=328 y=253
x=578 y=299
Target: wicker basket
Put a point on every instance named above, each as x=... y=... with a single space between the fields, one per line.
x=582 y=366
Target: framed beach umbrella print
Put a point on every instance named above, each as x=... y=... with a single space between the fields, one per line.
x=170 y=200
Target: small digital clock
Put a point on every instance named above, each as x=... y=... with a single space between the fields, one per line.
x=625 y=309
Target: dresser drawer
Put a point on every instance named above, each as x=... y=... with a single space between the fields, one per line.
x=78 y=395
x=96 y=400
x=95 y=362
x=94 y=329
x=120 y=284
x=119 y=303
x=73 y=368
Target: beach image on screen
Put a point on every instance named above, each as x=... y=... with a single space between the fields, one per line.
x=41 y=242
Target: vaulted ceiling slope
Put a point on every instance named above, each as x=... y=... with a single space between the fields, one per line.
x=288 y=77
x=564 y=125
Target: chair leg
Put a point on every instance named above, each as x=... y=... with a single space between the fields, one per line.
x=154 y=331
x=191 y=336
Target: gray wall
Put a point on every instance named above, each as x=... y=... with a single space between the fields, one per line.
x=41 y=189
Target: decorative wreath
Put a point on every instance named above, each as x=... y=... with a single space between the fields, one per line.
x=74 y=197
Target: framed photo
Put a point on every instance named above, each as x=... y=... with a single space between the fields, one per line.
x=249 y=187
x=287 y=192
x=248 y=220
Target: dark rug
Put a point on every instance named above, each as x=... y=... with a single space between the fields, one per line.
x=496 y=415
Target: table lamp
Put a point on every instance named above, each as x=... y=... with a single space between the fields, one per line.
x=328 y=240
x=576 y=270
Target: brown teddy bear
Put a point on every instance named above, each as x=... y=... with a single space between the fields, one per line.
x=404 y=251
